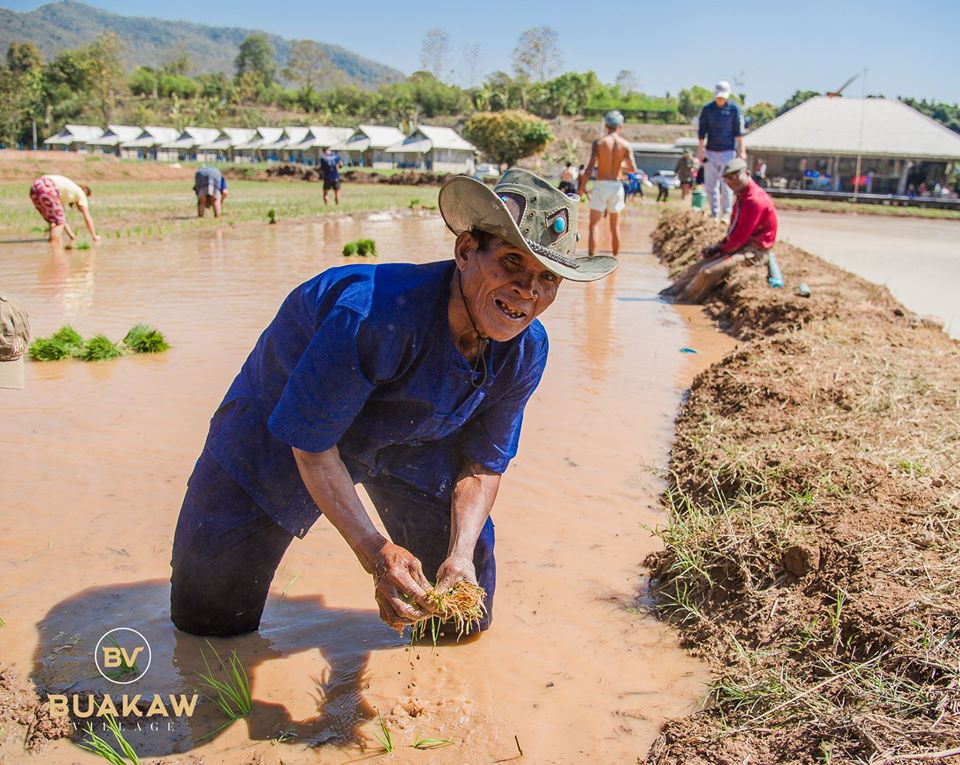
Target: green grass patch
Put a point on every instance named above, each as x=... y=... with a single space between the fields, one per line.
x=229 y=687
x=103 y=749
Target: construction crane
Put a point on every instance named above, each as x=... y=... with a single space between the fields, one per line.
x=836 y=93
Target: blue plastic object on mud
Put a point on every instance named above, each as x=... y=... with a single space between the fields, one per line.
x=774 y=275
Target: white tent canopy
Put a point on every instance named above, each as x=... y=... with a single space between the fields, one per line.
x=872 y=127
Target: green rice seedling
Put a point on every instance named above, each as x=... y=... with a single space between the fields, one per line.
x=384 y=737
x=104 y=749
x=366 y=247
x=145 y=339
x=2 y=622
x=99 y=348
x=63 y=343
x=350 y=248
x=271 y=216
x=430 y=743
x=82 y=246
x=286 y=589
x=46 y=349
x=232 y=693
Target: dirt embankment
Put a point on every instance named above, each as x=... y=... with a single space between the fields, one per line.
x=813 y=552
x=28 y=165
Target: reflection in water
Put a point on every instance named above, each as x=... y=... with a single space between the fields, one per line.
x=64 y=663
x=596 y=342
x=69 y=276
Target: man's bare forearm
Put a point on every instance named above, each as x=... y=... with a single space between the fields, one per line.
x=473 y=496
x=331 y=487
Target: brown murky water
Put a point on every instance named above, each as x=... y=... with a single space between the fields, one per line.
x=95 y=458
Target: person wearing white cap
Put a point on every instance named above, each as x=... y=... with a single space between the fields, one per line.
x=607 y=197
x=720 y=132
x=14 y=338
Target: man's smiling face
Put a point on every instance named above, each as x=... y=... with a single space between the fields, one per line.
x=505 y=287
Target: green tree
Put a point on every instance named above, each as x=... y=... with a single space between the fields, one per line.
x=537 y=55
x=796 y=99
x=504 y=137
x=179 y=62
x=944 y=113
x=691 y=100
x=309 y=66
x=23 y=57
x=106 y=72
x=759 y=114
x=257 y=58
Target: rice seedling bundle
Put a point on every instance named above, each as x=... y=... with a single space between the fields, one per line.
x=66 y=342
x=361 y=247
x=461 y=605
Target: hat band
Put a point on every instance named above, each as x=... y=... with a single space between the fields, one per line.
x=548 y=253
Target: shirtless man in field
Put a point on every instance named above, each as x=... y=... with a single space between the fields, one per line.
x=608 y=153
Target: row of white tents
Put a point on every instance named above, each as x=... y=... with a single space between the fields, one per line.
x=425 y=148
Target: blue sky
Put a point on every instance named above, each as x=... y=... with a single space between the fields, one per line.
x=773 y=47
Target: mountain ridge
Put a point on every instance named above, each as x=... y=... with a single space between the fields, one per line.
x=57 y=26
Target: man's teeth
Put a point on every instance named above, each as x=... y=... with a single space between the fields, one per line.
x=509 y=311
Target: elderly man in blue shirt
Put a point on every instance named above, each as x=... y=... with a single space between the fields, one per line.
x=408 y=379
x=721 y=134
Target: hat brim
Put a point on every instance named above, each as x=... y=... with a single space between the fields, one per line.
x=467 y=203
x=11 y=373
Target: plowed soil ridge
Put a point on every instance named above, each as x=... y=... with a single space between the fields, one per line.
x=813 y=548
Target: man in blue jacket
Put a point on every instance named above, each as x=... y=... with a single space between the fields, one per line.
x=409 y=379
x=721 y=139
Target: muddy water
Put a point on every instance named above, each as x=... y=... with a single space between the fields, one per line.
x=916 y=258
x=95 y=457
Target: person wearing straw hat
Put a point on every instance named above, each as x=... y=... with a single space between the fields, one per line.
x=408 y=379
x=14 y=339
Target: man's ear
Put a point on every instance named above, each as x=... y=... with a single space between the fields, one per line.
x=464 y=248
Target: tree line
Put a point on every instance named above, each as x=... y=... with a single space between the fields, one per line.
x=88 y=84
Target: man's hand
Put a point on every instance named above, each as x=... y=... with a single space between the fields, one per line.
x=399 y=585
x=456 y=568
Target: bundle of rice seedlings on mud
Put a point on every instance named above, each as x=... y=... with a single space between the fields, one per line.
x=462 y=605
x=64 y=343
x=99 y=348
x=361 y=247
x=143 y=338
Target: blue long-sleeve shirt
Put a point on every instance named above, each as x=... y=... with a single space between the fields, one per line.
x=361 y=357
x=720 y=125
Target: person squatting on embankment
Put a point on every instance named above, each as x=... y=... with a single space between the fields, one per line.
x=750 y=238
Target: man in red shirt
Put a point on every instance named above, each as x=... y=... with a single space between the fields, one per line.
x=752 y=233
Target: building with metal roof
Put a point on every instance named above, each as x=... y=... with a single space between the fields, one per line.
x=185 y=145
x=147 y=144
x=109 y=142
x=73 y=137
x=829 y=143
x=367 y=146
x=318 y=138
x=221 y=148
x=439 y=149
x=257 y=147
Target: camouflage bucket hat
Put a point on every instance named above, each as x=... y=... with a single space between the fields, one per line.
x=526 y=211
x=14 y=339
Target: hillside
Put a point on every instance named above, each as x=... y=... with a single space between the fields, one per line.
x=68 y=24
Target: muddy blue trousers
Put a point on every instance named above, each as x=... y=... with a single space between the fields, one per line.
x=226 y=548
